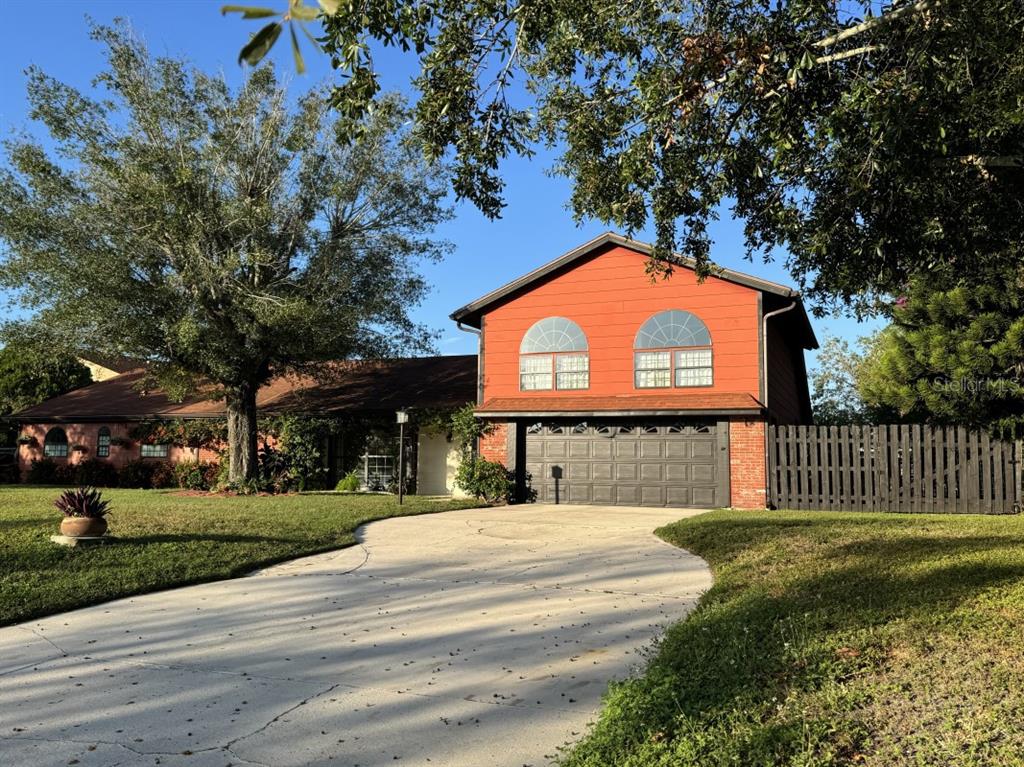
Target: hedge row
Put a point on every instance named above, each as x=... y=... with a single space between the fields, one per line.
x=188 y=475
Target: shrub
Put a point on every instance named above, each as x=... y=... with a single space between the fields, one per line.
x=163 y=476
x=43 y=471
x=195 y=475
x=82 y=502
x=485 y=479
x=95 y=473
x=138 y=474
x=349 y=483
x=9 y=474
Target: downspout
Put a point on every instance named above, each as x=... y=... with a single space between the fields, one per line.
x=764 y=379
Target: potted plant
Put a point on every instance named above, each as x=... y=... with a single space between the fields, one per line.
x=84 y=511
x=79 y=448
x=26 y=439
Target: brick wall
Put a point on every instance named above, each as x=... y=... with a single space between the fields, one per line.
x=86 y=434
x=494 y=444
x=747 y=469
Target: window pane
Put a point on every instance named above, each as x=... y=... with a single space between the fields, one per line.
x=566 y=363
x=693 y=358
x=652 y=360
x=535 y=363
x=693 y=376
x=573 y=380
x=535 y=381
x=652 y=379
x=55 y=449
x=154 y=451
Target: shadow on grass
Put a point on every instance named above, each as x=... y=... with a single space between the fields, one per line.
x=801 y=606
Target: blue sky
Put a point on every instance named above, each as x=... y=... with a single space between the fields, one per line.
x=535 y=227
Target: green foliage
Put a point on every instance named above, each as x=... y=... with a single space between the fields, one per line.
x=196 y=475
x=955 y=355
x=32 y=370
x=466 y=428
x=893 y=151
x=297 y=459
x=349 y=483
x=46 y=471
x=246 y=242
x=195 y=433
x=485 y=479
x=137 y=474
x=836 y=384
x=95 y=473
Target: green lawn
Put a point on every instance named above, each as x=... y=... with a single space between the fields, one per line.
x=167 y=539
x=834 y=639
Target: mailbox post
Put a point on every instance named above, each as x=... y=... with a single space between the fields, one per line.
x=402 y=417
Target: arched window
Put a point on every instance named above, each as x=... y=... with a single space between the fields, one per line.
x=673 y=348
x=553 y=355
x=103 y=442
x=56 y=443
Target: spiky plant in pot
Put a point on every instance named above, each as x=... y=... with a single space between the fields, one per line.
x=84 y=510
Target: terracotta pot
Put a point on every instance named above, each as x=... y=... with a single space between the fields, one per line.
x=83 y=527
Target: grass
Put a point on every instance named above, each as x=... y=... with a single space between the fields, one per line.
x=833 y=639
x=168 y=539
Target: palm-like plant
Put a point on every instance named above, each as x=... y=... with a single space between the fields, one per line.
x=82 y=502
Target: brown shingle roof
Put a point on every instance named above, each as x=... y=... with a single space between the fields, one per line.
x=350 y=387
x=669 y=403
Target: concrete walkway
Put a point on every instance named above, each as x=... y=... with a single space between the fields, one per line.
x=480 y=638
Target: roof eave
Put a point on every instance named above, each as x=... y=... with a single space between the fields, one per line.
x=618 y=413
x=469 y=314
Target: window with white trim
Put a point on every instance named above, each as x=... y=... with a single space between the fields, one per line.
x=151 y=450
x=672 y=348
x=554 y=355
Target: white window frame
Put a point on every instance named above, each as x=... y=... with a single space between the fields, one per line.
x=558 y=379
x=675 y=354
x=154 y=450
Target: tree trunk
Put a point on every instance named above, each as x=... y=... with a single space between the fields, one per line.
x=243 y=463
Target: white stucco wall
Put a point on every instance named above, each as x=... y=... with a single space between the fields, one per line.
x=436 y=463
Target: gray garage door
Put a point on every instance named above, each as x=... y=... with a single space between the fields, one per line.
x=636 y=463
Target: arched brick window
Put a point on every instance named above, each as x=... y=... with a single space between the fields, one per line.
x=56 y=443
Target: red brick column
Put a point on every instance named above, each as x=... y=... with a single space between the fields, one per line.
x=494 y=444
x=747 y=464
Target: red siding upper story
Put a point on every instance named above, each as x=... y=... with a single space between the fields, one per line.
x=606 y=290
x=610 y=296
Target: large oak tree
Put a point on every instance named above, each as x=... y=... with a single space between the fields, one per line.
x=224 y=236
x=872 y=142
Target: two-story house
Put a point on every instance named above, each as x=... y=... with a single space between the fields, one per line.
x=605 y=386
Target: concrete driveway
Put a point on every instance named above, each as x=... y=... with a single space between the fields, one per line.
x=478 y=638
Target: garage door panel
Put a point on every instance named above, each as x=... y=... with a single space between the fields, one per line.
x=654 y=463
x=704 y=496
x=578 y=471
x=625 y=472
x=651 y=472
x=555 y=448
x=677 y=448
x=651 y=449
x=703 y=449
x=703 y=473
x=627 y=495
x=652 y=495
x=625 y=448
x=579 y=449
x=677 y=472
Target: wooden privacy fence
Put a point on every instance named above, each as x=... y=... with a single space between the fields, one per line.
x=907 y=468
